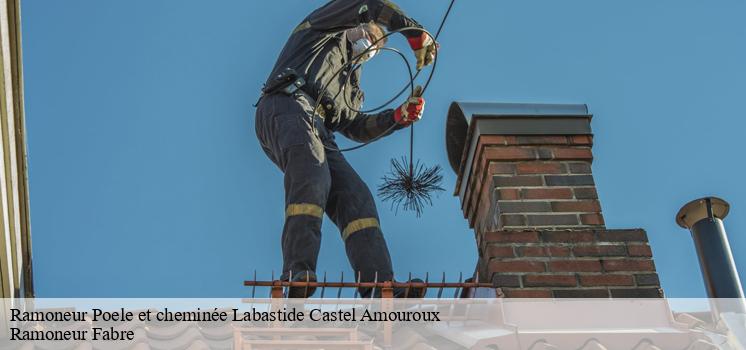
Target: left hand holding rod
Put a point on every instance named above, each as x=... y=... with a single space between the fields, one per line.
x=411 y=111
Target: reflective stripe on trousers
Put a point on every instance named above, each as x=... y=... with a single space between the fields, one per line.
x=317 y=181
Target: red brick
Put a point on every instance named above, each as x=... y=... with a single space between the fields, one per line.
x=581 y=293
x=568 y=180
x=585 y=193
x=469 y=212
x=576 y=206
x=582 y=140
x=639 y=250
x=511 y=140
x=567 y=236
x=493 y=140
x=546 y=193
x=591 y=219
x=512 y=236
x=473 y=185
x=512 y=220
x=501 y=280
x=543 y=251
x=484 y=195
x=483 y=216
x=549 y=281
x=527 y=293
x=648 y=279
x=623 y=236
x=575 y=266
x=540 y=168
x=509 y=153
x=599 y=250
x=579 y=168
x=499 y=251
x=478 y=165
x=552 y=220
x=497 y=265
x=517 y=181
x=476 y=179
x=544 y=154
x=523 y=207
x=628 y=265
x=501 y=168
x=507 y=194
x=637 y=293
x=533 y=251
x=571 y=153
x=559 y=251
x=606 y=280
x=471 y=216
x=542 y=140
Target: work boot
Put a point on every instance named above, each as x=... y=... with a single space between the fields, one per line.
x=305 y=291
x=413 y=292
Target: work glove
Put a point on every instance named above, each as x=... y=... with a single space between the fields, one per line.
x=424 y=49
x=411 y=111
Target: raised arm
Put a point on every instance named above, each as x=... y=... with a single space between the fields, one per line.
x=344 y=14
x=366 y=127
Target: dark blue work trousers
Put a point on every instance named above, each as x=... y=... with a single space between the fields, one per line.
x=319 y=180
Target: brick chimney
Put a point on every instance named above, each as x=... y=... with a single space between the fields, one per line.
x=527 y=190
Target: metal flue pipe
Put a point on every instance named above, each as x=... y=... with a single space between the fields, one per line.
x=704 y=219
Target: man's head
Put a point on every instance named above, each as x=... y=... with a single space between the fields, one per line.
x=363 y=37
x=376 y=32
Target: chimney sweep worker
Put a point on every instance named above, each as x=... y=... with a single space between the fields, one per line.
x=318 y=179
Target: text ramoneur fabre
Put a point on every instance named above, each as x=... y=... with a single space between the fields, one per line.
x=214 y=315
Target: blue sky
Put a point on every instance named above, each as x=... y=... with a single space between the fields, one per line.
x=147 y=180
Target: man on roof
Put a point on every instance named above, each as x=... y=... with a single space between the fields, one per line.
x=320 y=66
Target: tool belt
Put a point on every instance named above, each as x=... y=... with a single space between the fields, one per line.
x=289 y=83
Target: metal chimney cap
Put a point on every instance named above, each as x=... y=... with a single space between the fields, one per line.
x=696 y=210
x=462 y=130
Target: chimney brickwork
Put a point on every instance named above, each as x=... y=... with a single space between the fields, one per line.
x=527 y=189
x=537 y=181
x=569 y=263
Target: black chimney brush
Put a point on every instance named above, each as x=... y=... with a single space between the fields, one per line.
x=410 y=189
